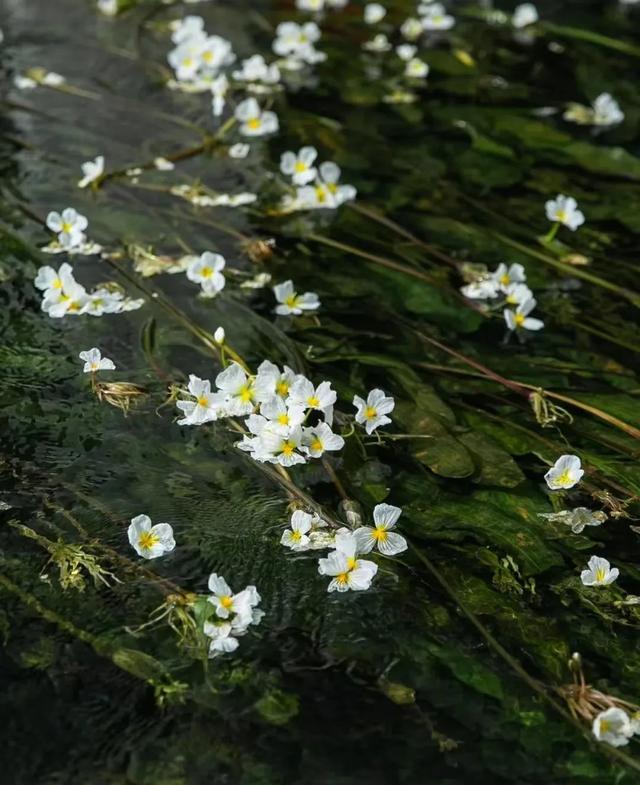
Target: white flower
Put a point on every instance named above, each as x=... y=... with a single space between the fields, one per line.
x=108 y=7
x=239 y=150
x=237 y=386
x=346 y=570
x=300 y=166
x=297 y=40
x=185 y=59
x=520 y=319
x=91 y=170
x=406 y=51
x=222 y=598
x=565 y=473
x=63 y=294
x=52 y=79
x=606 y=111
x=379 y=43
x=215 y=52
x=436 y=18
x=303 y=393
x=206 y=407
x=599 y=572
x=290 y=302
x=255 y=69
x=163 y=164
x=253 y=121
x=69 y=226
x=416 y=68
x=577 y=519
x=48 y=279
x=296 y=537
x=504 y=276
x=93 y=361
x=221 y=639
x=613 y=726
x=310 y=5
x=219 y=89
x=103 y=301
x=385 y=517
x=517 y=293
x=24 y=82
x=281 y=445
x=524 y=15
x=374 y=13
x=411 y=28
x=320 y=439
x=189 y=28
x=483 y=289
x=564 y=210
x=288 y=414
x=330 y=177
x=271 y=381
x=206 y=270
x=219 y=336
x=150 y=541
x=372 y=412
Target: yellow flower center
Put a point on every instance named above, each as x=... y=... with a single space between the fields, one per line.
x=343 y=578
x=203 y=401
x=600 y=575
x=380 y=535
x=282 y=388
x=66 y=226
x=519 y=319
x=332 y=188
x=283 y=419
x=147 y=540
x=300 y=167
x=57 y=284
x=95 y=366
x=188 y=62
x=208 y=57
x=561 y=216
x=245 y=394
x=352 y=562
x=313 y=401
x=287 y=448
x=564 y=478
x=370 y=412
x=254 y=123
x=321 y=194
x=316 y=445
x=505 y=280
x=605 y=726
x=296 y=536
x=206 y=272
x=226 y=601
x=292 y=300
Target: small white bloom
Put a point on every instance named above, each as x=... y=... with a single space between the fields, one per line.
x=207 y=271
x=303 y=393
x=219 y=90
x=48 y=279
x=379 y=43
x=284 y=413
x=238 y=388
x=255 y=69
x=406 y=51
x=214 y=53
x=253 y=121
x=564 y=210
x=206 y=407
x=320 y=439
x=613 y=726
x=566 y=472
x=385 y=517
x=281 y=445
x=517 y=293
x=606 y=111
x=310 y=5
x=344 y=567
x=577 y=519
x=222 y=598
x=504 y=276
x=374 y=13
x=520 y=319
x=296 y=537
x=271 y=381
x=482 y=289
x=91 y=170
x=52 y=79
x=599 y=572
x=149 y=541
x=298 y=41
x=185 y=59
x=219 y=336
x=93 y=361
x=299 y=167
x=108 y=7
x=189 y=28
x=163 y=164
x=69 y=226
x=290 y=302
x=524 y=15
x=372 y=412
x=239 y=150
x=412 y=28
x=221 y=639
x=436 y=18
x=24 y=82
x=416 y=69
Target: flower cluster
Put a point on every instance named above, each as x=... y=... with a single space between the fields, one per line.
x=64 y=296
x=508 y=285
x=69 y=227
x=233 y=615
x=317 y=188
x=197 y=58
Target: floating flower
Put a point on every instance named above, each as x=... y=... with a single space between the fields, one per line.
x=599 y=572
x=406 y=51
x=379 y=43
x=238 y=388
x=517 y=293
x=255 y=69
x=94 y=361
x=281 y=412
x=91 y=171
x=271 y=381
x=524 y=15
x=163 y=164
x=305 y=394
x=345 y=568
x=296 y=537
x=149 y=541
x=221 y=641
x=189 y=28
x=222 y=598
x=320 y=439
x=520 y=319
x=564 y=210
x=239 y=150
x=300 y=166
x=282 y=446
x=234 y=614
x=297 y=41
x=69 y=226
x=565 y=473
x=207 y=271
x=613 y=726
x=207 y=406
x=416 y=69
x=253 y=121
x=506 y=276
x=434 y=17
x=374 y=13
x=389 y=543
x=290 y=302
x=577 y=519
x=372 y=413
